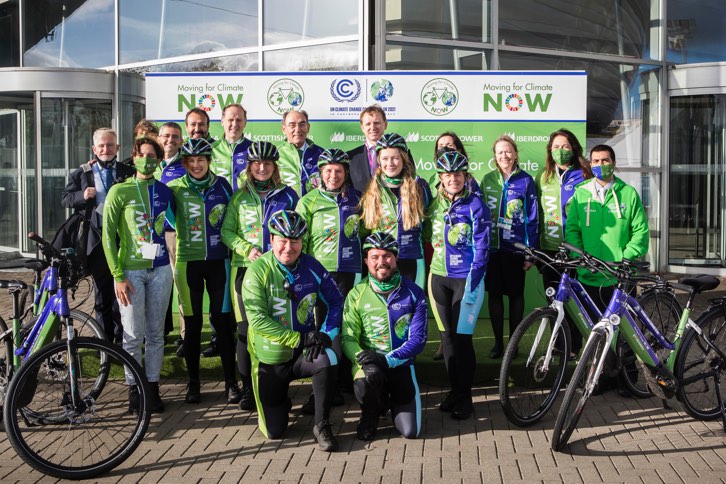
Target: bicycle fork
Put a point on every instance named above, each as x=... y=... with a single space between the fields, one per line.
x=559 y=307
x=609 y=325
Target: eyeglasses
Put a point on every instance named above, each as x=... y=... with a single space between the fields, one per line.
x=290 y=291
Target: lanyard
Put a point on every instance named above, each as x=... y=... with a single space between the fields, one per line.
x=148 y=215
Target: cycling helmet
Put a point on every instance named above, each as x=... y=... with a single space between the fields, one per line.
x=333 y=155
x=287 y=224
x=381 y=240
x=262 y=151
x=391 y=140
x=197 y=147
x=451 y=161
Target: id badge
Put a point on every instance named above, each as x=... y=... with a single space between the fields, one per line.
x=149 y=251
x=504 y=223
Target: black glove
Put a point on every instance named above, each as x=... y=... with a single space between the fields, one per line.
x=374 y=374
x=314 y=343
x=370 y=357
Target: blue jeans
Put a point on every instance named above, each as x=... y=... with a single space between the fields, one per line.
x=144 y=317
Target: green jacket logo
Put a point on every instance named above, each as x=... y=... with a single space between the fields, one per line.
x=401 y=326
x=306 y=310
x=460 y=235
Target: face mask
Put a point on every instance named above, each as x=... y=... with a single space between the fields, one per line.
x=146 y=165
x=562 y=156
x=603 y=172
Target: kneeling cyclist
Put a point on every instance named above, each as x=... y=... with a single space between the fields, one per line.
x=280 y=290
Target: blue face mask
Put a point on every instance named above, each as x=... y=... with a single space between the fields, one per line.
x=603 y=172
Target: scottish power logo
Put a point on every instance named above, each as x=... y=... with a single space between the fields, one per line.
x=345 y=90
x=382 y=90
x=284 y=95
x=439 y=96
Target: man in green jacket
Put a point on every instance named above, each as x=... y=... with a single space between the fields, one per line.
x=299 y=155
x=606 y=219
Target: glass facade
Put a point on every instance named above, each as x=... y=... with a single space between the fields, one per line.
x=669 y=146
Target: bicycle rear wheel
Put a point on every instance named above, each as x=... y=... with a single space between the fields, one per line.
x=81 y=442
x=577 y=395
x=664 y=311
x=697 y=366
x=526 y=389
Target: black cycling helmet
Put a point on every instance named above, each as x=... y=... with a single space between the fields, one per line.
x=197 y=147
x=451 y=161
x=262 y=151
x=288 y=224
x=391 y=140
x=333 y=155
x=380 y=240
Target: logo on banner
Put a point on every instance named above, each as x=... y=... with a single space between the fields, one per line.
x=382 y=90
x=284 y=95
x=206 y=103
x=439 y=96
x=345 y=90
x=412 y=137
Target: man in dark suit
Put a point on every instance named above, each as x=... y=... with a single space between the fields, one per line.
x=90 y=186
x=363 y=159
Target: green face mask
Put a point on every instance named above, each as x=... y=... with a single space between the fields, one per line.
x=562 y=156
x=146 y=165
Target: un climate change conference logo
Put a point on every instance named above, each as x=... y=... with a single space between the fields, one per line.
x=345 y=90
x=284 y=95
x=439 y=96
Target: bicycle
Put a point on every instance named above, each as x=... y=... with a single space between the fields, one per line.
x=683 y=367
x=72 y=388
x=529 y=385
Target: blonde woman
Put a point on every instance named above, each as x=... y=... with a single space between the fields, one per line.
x=395 y=201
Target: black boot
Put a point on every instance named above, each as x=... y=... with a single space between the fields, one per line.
x=324 y=436
x=194 y=394
x=157 y=406
x=134 y=399
x=247 y=401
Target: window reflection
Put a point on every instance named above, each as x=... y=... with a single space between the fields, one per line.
x=69 y=34
x=412 y=57
x=168 y=28
x=231 y=63
x=287 y=21
x=9 y=34
x=451 y=19
x=333 y=57
x=624 y=28
x=696 y=31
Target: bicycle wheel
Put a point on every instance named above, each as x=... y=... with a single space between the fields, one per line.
x=81 y=442
x=526 y=389
x=6 y=361
x=84 y=325
x=577 y=395
x=697 y=366
x=664 y=310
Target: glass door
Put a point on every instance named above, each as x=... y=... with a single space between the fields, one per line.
x=10 y=162
x=697 y=181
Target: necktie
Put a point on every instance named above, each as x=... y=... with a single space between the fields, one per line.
x=300 y=153
x=372 y=160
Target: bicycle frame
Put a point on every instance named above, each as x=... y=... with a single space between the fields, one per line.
x=48 y=286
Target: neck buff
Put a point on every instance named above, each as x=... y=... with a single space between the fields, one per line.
x=202 y=184
x=383 y=287
x=395 y=182
x=263 y=186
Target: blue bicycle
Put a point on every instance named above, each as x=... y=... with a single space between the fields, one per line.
x=66 y=410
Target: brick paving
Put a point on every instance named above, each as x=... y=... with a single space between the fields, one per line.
x=618 y=440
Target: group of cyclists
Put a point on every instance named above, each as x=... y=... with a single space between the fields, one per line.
x=319 y=257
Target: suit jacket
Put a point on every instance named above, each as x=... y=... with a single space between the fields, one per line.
x=72 y=197
x=360 y=173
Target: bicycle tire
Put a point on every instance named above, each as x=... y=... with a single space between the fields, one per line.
x=664 y=310
x=696 y=363
x=84 y=324
x=576 y=397
x=6 y=361
x=526 y=392
x=94 y=439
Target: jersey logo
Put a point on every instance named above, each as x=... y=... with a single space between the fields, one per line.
x=330 y=235
x=491 y=202
x=195 y=222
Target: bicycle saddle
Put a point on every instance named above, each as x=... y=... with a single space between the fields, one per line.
x=700 y=282
x=13 y=284
x=36 y=265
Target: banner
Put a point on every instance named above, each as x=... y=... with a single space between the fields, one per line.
x=478 y=106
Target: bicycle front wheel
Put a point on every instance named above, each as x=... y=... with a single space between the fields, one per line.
x=82 y=440
x=528 y=388
x=698 y=366
x=664 y=311
x=577 y=395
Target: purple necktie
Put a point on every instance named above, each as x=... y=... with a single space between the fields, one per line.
x=372 y=159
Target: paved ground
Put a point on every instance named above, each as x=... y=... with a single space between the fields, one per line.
x=618 y=440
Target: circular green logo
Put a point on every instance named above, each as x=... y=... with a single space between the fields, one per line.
x=216 y=215
x=515 y=210
x=401 y=326
x=306 y=310
x=159 y=223
x=350 y=227
x=460 y=235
